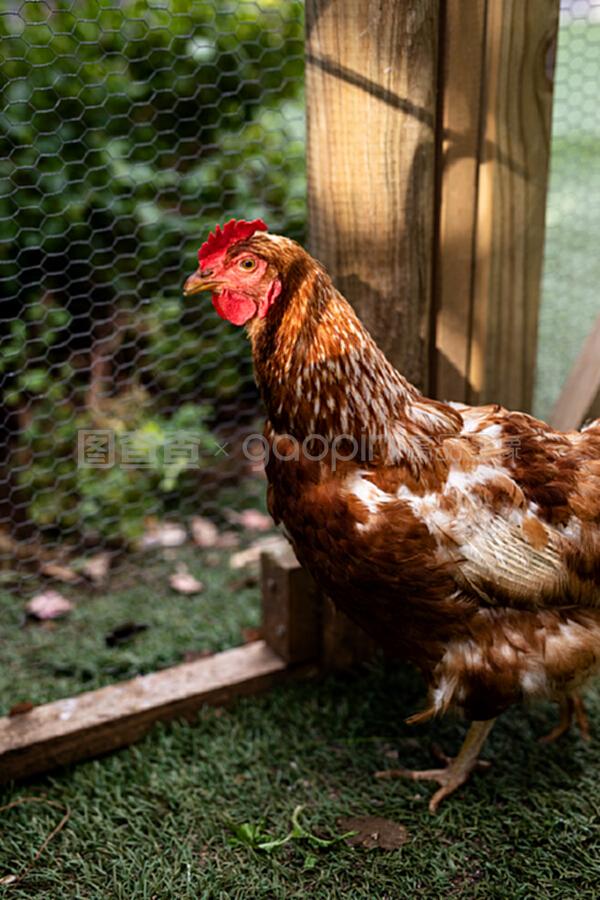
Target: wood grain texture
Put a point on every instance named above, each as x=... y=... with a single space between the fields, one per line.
x=461 y=86
x=582 y=387
x=497 y=120
x=344 y=643
x=371 y=80
x=290 y=607
x=513 y=181
x=99 y=721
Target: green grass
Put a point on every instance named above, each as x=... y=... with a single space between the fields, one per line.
x=41 y=663
x=153 y=821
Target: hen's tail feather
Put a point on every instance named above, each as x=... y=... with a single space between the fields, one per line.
x=420 y=717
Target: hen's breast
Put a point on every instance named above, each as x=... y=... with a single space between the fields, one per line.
x=387 y=578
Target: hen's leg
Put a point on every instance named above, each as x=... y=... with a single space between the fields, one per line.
x=581 y=717
x=571 y=707
x=457 y=772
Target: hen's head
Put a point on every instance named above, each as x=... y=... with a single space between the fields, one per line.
x=233 y=265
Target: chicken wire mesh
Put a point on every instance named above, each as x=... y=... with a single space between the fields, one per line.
x=570 y=297
x=128 y=129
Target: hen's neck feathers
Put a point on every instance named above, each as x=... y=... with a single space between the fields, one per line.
x=320 y=372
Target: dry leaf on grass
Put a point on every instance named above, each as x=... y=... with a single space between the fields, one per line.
x=184 y=582
x=373 y=831
x=96 y=567
x=48 y=605
x=251 y=520
x=163 y=534
x=204 y=532
x=251 y=555
x=227 y=540
x=195 y=655
x=59 y=573
x=123 y=633
x=251 y=634
x=249 y=580
x=19 y=709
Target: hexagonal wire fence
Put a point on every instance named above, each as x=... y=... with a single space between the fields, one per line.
x=128 y=130
x=570 y=295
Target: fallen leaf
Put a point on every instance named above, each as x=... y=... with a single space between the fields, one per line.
x=19 y=709
x=251 y=520
x=123 y=633
x=251 y=555
x=251 y=634
x=373 y=831
x=59 y=573
x=204 y=532
x=249 y=580
x=96 y=568
x=184 y=582
x=163 y=534
x=227 y=540
x=195 y=655
x=48 y=605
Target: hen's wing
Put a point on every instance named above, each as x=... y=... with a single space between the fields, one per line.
x=528 y=523
x=516 y=512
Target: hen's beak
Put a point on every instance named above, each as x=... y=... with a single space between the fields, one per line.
x=199 y=282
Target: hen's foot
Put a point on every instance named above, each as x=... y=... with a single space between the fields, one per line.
x=456 y=772
x=571 y=707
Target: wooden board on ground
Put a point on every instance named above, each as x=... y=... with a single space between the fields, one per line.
x=99 y=721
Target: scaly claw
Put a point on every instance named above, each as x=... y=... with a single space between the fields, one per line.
x=457 y=771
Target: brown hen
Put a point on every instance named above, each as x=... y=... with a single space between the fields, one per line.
x=465 y=538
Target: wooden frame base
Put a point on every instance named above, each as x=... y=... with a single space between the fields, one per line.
x=97 y=722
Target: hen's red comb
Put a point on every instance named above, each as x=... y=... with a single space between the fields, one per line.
x=232 y=232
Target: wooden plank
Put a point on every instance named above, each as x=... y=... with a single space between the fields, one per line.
x=371 y=79
x=371 y=102
x=345 y=644
x=461 y=86
x=582 y=386
x=290 y=607
x=513 y=179
x=302 y=625
x=99 y=721
x=497 y=108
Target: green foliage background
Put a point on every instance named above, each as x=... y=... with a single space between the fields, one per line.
x=127 y=131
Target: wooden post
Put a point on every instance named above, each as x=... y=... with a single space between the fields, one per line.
x=290 y=607
x=371 y=97
x=371 y=71
x=302 y=625
x=496 y=77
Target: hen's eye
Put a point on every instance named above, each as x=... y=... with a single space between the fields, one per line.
x=247 y=264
